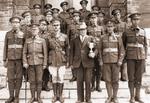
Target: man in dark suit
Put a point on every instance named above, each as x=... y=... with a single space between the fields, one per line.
x=82 y=60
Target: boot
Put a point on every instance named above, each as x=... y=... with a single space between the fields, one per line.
x=39 y=95
x=93 y=86
x=61 y=99
x=17 y=91
x=137 y=96
x=45 y=86
x=115 y=86
x=32 y=99
x=11 y=91
x=109 y=92
x=98 y=86
x=131 y=88
x=54 y=99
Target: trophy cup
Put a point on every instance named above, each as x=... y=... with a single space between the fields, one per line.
x=91 y=47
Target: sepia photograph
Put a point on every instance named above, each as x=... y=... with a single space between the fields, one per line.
x=74 y=51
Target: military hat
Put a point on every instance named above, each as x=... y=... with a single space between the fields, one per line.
x=41 y=20
x=110 y=22
x=115 y=11
x=14 y=18
x=101 y=12
x=55 y=10
x=36 y=6
x=76 y=12
x=93 y=14
x=83 y=2
x=71 y=8
x=34 y=25
x=49 y=12
x=63 y=3
x=48 y=6
x=82 y=26
x=26 y=13
x=135 y=16
x=95 y=7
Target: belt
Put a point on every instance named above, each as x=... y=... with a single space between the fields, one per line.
x=135 y=45
x=15 y=46
x=110 y=50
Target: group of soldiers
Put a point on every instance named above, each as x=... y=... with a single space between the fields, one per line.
x=41 y=47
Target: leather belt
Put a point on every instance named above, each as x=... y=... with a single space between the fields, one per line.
x=15 y=46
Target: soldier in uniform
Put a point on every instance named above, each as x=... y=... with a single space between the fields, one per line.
x=120 y=27
x=101 y=18
x=82 y=60
x=55 y=12
x=58 y=44
x=43 y=25
x=35 y=59
x=70 y=19
x=13 y=47
x=95 y=8
x=36 y=16
x=64 y=15
x=135 y=43
x=84 y=12
x=49 y=17
x=47 y=7
x=73 y=32
x=111 y=54
x=96 y=31
x=27 y=20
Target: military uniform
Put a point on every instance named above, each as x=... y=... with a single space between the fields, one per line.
x=111 y=54
x=135 y=43
x=35 y=56
x=84 y=12
x=12 y=57
x=120 y=27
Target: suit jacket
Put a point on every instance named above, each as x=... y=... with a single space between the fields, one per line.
x=79 y=53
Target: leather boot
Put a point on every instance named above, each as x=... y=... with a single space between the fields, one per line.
x=131 y=88
x=54 y=99
x=11 y=91
x=137 y=96
x=39 y=95
x=61 y=86
x=115 y=86
x=109 y=92
x=98 y=88
x=93 y=86
x=32 y=99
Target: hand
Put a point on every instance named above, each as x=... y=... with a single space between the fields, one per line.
x=92 y=55
x=119 y=64
x=44 y=67
x=25 y=66
x=5 y=64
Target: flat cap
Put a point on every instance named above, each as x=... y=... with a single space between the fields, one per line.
x=34 y=25
x=36 y=6
x=63 y=3
x=15 y=19
x=48 y=6
x=135 y=16
x=26 y=13
x=115 y=11
x=83 y=2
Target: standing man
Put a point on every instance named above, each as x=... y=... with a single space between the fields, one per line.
x=101 y=18
x=58 y=45
x=13 y=47
x=49 y=17
x=73 y=32
x=111 y=54
x=37 y=15
x=120 y=27
x=35 y=59
x=43 y=26
x=64 y=15
x=84 y=12
x=96 y=31
x=135 y=43
x=82 y=60
x=47 y=7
